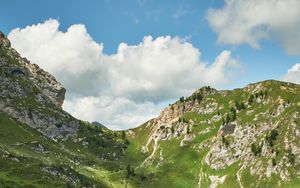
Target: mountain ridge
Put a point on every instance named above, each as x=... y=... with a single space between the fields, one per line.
x=41 y=144
x=246 y=137
x=23 y=81
x=230 y=128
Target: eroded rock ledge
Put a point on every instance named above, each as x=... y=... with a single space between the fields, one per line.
x=33 y=96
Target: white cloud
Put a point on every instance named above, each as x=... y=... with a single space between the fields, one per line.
x=71 y=56
x=117 y=112
x=250 y=21
x=293 y=74
x=123 y=89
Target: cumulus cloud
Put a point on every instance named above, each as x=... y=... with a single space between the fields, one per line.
x=71 y=56
x=116 y=112
x=126 y=88
x=250 y=21
x=293 y=74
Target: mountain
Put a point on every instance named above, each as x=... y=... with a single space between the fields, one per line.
x=247 y=137
x=41 y=145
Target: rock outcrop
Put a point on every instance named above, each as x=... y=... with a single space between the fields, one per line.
x=32 y=95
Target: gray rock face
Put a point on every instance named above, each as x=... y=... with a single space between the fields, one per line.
x=168 y=124
x=221 y=155
x=47 y=83
x=32 y=95
x=228 y=129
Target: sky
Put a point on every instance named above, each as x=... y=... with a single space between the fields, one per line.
x=122 y=62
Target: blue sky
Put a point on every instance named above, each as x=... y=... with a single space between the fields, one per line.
x=110 y=23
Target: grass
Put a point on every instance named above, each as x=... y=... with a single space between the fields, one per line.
x=20 y=164
x=181 y=165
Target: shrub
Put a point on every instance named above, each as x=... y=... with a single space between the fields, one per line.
x=291 y=156
x=126 y=141
x=227 y=119
x=233 y=114
x=181 y=99
x=130 y=171
x=183 y=120
x=123 y=135
x=172 y=129
x=225 y=141
x=251 y=99
x=197 y=96
x=271 y=137
x=240 y=106
x=188 y=131
x=256 y=149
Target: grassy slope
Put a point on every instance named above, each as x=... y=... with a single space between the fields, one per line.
x=181 y=165
x=21 y=164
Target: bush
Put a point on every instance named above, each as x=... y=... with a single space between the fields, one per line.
x=123 y=135
x=181 y=99
x=251 y=99
x=273 y=162
x=256 y=149
x=227 y=119
x=271 y=137
x=129 y=171
x=225 y=141
x=172 y=129
x=142 y=176
x=274 y=134
x=233 y=114
x=291 y=156
x=240 y=106
x=188 y=131
x=126 y=141
x=183 y=120
x=197 y=96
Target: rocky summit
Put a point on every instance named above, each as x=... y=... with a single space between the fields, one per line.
x=247 y=137
x=32 y=95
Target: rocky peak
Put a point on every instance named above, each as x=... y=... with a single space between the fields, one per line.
x=173 y=112
x=48 y=84
x=32 y=95
x=206 y=90
x=40 y=78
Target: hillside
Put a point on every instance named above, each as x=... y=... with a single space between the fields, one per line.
x=40 y=144
x=246 y=137
x=242 y=138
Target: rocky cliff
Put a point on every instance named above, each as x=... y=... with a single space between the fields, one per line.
x=32 y=95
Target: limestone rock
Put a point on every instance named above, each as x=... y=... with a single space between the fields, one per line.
x=33 y=96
